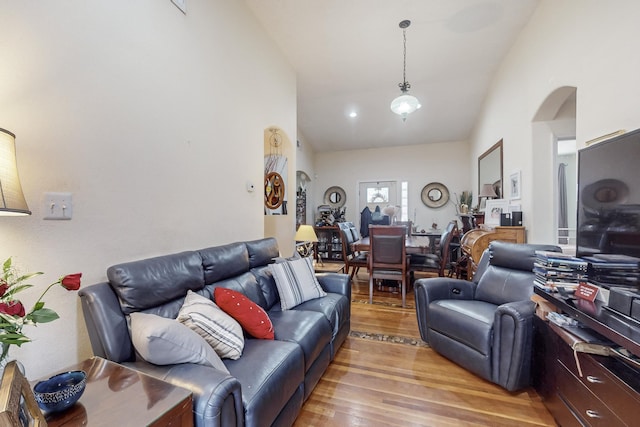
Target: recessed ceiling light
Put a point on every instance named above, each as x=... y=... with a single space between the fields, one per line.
x=353 y=114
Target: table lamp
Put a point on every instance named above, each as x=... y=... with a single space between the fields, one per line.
x=12 y=200
x=305 y=238
x=488 y=192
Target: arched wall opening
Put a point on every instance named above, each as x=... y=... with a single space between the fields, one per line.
x=555 y=120
x=279 y=188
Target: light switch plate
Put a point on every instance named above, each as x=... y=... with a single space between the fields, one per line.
x=181 y=4
x=58 y=206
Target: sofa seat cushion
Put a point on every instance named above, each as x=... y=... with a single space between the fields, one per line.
x=269 y=372
x=308 y=329
x=467 y=321
x=335 y=307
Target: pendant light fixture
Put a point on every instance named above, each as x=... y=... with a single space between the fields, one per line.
x=405 y=104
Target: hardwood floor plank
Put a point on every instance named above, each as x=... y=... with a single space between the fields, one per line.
x=381 y=383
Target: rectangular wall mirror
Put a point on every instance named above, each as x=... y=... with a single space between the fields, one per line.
x=490 y=169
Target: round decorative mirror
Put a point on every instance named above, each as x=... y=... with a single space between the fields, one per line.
x=435 y=195
x=335 y=197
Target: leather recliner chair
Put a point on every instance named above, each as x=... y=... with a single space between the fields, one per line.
x=485 y=325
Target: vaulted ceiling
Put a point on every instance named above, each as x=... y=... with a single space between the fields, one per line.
x=348 y=56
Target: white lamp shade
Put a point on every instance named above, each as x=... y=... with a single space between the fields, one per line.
x=306 y=233
x=12 y=200
x=405 y=105
x=487 y=191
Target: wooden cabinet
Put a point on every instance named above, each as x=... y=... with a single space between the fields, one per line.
x=475 y=241
x=329 y=245
x=581 y=389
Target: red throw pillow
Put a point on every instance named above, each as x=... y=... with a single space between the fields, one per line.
x=250 y=315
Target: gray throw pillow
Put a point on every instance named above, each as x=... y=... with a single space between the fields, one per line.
x=296 y=282
x=164 y=341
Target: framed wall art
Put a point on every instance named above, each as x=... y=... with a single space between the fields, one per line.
x=493 y=209
x=514 y=185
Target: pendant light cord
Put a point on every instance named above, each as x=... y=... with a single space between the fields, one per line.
x=404 y=63
x=404 y=86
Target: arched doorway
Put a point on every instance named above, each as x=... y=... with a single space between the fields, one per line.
x=554 y=123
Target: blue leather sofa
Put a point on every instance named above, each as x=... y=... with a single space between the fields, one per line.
x=269 y=383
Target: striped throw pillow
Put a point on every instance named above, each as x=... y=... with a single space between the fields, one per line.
x=296 y=282
x=220 y=330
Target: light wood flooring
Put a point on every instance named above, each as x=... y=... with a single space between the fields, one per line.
x=373 y=383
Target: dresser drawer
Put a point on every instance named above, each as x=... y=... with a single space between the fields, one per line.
x=602 y=383
x=582 y=401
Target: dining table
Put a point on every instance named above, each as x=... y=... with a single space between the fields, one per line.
x=414 y=244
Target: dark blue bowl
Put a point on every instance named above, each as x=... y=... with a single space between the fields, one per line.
x=60 y=391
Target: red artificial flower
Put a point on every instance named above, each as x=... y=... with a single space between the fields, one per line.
x=3 y=288
x=71 y=282
x=12 y=308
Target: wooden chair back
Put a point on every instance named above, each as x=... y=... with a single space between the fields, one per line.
x=445 y=245
x=387 y=247
x=388 y=256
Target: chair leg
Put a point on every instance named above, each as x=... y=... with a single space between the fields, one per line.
x=404 y=291
x=370 y=289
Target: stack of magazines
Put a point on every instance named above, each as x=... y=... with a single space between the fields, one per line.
x=608 y=270
x=555 y=270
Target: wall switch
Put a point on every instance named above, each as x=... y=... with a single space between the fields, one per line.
x=57 y=206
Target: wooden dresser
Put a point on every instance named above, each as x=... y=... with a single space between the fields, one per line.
x=475 y=241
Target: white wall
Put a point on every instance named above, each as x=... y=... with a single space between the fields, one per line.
x=587 y=44
x=419 y=165
x=153 y=120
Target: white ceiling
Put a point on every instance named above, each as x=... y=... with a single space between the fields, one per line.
x=348 y=57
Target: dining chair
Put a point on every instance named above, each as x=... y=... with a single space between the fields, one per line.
x=388 y=257
x=440 y=261
x=352 y=259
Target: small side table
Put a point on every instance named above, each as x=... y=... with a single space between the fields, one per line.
x=119 y=396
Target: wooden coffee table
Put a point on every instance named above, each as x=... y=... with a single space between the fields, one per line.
x=119 y=396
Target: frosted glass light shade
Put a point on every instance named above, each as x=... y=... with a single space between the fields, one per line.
x=12 y=202
x=405 y=105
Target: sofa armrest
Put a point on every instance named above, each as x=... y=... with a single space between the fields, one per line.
x=437 y=288
x=512 y=344
x=217 y=396
x=336 y=283
x=106 y=324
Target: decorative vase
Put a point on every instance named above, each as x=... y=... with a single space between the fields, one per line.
x=5 y=358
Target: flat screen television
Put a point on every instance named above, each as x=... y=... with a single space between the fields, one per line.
x=609 y=197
